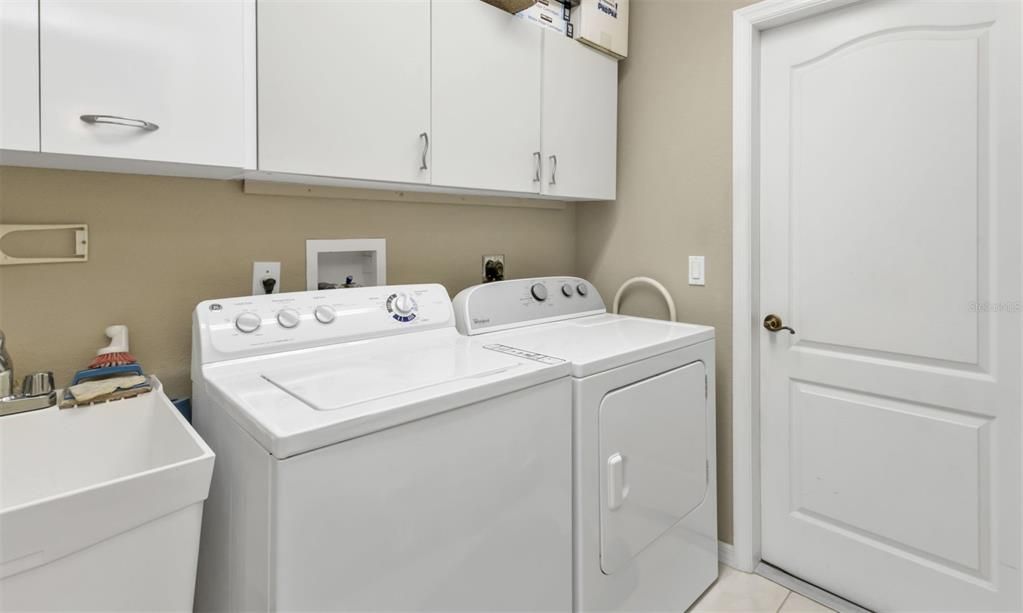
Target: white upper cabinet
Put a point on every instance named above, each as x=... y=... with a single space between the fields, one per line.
x=344 y=88
x=486 y=98
x=19 y=75
x=159 y=80
x=580 y=120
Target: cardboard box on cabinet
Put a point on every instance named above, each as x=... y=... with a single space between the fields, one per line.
x=603 y=24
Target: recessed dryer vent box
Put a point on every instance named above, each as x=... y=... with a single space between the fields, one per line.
x=333 y=261
x=603 y=24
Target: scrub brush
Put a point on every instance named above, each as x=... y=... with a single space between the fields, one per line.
x=116 y=353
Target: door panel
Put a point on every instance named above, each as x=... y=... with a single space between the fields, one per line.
x=176 y=64
x=890 y=242
x=350 y=96
x=653 y=451
x=485 y=98
x=900 y=124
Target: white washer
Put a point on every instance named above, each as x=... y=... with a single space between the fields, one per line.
x=371 y=458
x=645 y=467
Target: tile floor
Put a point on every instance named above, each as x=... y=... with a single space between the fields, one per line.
x=740 y=592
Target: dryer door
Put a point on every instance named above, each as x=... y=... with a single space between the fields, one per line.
x=653 y=454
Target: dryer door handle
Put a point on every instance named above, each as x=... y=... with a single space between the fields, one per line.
x=617 y=490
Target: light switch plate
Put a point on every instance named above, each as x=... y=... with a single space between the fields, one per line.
x=697 y=271
x=262 y=270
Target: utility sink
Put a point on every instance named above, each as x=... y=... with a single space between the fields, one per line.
x=101 y=507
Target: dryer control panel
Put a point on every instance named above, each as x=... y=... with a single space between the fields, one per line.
x=503 y=305
x=255 y=325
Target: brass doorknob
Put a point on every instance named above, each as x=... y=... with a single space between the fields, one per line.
x=773 y=323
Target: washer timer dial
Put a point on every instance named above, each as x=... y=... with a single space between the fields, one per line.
x=402 y=307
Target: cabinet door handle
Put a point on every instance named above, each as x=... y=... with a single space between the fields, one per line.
x=114 y=120
x=554 y=169
x=426 y=149
x=536 y=160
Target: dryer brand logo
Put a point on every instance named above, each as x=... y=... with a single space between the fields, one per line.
x=479 y=321
x=216 y=307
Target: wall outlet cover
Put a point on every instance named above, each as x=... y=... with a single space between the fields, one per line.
x=262 y=271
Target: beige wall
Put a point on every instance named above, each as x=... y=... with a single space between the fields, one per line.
x=160 y=245
x=674 y=180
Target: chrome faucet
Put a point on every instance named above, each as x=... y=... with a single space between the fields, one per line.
x=6 y=370
x=36 y=393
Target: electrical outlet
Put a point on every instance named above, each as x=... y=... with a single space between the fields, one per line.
x=264 y=271
x=493 y=268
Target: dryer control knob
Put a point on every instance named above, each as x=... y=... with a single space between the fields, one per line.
x=325 y=314
x=539 y=291
x=248 y=322
x=288 y=318
x=566 y=289
x=582 y=289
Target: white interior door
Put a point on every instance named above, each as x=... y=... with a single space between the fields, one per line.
x=890 y=241
x=344 y=88
x=485 y=98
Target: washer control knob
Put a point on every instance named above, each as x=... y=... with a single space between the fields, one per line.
x=582 y=289
x=248 y=322
x=403 y=304
x=566 y=289
x=539 y=291
x=288 y=318
x=325 y=314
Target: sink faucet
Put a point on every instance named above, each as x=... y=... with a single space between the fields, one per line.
x=36 y=393
x=6 y=369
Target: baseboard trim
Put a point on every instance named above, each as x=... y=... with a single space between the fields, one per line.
x=726 y=554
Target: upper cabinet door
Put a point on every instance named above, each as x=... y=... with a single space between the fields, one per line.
x=486 y=98
x=19 y=75
x=580 y=120
x=344 y=88
x=159 y=80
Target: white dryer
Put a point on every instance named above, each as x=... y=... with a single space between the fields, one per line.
x=371 y=458
x=644 y=436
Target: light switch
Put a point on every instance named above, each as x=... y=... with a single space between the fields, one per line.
x=696 y=270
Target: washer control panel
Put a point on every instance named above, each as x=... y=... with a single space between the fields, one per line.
x=252 y=325
x=520 y=302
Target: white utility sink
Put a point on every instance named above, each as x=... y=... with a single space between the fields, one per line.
x=101 y=507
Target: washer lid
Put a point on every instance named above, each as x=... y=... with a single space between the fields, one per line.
x=340 y=381
x=601 y=342
x=302 y=400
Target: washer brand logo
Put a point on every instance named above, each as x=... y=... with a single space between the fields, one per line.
x=216 y=307
x=610 y=8
x=479 y=321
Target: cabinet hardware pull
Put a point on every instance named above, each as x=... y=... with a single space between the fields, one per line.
x=536 y=158
x=426 y=149
x=554 y=170
x=114 y=120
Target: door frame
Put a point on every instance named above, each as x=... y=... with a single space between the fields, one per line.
x=747 y=24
